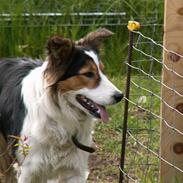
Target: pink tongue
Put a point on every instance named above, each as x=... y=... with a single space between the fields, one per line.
x=103 y=114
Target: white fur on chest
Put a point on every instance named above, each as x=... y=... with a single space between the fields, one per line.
x=49 y=130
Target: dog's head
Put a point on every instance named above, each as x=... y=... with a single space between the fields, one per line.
x=75 y=71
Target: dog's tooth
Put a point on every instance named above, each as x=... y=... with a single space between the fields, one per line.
x=92 y=106
x=85 y=100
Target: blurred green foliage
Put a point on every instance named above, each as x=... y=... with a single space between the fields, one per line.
x=27 y=35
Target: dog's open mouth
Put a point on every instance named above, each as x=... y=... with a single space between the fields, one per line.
x=94 y=109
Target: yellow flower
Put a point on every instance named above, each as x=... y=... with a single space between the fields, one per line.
x=24 y=148
x=133 y=25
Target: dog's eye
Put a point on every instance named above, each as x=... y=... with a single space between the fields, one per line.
x=89 y=74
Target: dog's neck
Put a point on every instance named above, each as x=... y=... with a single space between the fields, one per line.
x=82 y=118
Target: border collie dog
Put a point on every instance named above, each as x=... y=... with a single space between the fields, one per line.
x=53 y=104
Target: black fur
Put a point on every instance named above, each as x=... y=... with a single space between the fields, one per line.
x=12 y=110
x=78 y=59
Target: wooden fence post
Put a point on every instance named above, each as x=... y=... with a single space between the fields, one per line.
x=172 y=141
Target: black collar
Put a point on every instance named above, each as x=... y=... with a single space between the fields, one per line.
x=81 y=146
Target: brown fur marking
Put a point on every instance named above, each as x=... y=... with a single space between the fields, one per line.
x=59 y=53
x=81 y=81
x=101 y=66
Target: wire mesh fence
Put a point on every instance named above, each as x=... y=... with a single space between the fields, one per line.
x=73 y=13
x=23 y=23
x=144 y=119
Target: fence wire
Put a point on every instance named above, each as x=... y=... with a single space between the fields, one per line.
x=143 y=149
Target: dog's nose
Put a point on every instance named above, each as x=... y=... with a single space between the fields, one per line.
x=118 y=96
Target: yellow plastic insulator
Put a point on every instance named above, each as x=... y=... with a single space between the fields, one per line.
x=133 y=25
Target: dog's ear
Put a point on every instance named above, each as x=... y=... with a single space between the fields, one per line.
x=59 y=49
x=94 y=39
